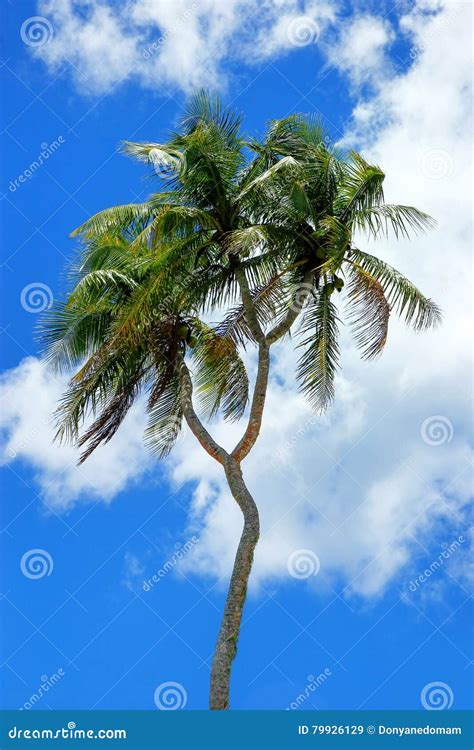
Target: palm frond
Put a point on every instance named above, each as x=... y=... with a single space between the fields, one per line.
x=403 y=296
x=221 y=378
x=369 y=312
x=319 y=362
x=378 y=220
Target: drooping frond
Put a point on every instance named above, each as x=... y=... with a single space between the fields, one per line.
x=361 y=186
x=378 y=220
x=318 y=364
x=221 y=378
x=403 y=296
x=369 y=312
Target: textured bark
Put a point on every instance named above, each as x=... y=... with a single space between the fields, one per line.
x=226 y=646
x=252 y=431
x=194 y=423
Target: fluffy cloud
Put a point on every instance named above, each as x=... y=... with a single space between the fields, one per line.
x=29 y=395
x=390 y=462
x=179 y=45
x=359 y=486
x=361 y=49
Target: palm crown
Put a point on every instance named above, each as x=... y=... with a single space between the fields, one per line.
x=257 y=233
x=269 y=223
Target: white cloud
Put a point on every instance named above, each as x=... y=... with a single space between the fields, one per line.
x=361 y=48
x=361 y=516
x=180 y=45
x=29 y=395
x=357 y=485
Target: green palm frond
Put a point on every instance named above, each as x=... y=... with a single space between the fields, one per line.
x=221 y=378
x=369 y=312
x=403 y=296
x=284 y=208
x=318 y=364
x=360 y=188
x=378 y=220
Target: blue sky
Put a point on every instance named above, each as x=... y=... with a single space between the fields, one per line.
x=376 y=497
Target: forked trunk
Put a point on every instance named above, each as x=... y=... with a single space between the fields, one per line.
x=226 y=646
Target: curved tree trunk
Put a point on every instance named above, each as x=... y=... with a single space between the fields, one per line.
x=226 y=646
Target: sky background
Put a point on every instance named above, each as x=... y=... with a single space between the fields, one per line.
x=355 y=505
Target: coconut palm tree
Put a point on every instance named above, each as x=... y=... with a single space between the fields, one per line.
x=258 y=233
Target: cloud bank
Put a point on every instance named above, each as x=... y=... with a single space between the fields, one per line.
x=389 y=466
x=168 y=46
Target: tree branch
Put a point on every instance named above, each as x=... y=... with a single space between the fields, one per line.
x=254 y=424
x=192 y=419
x=299 y=298
x=249 y=305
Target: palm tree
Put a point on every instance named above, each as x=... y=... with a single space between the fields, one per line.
x=259 y=233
